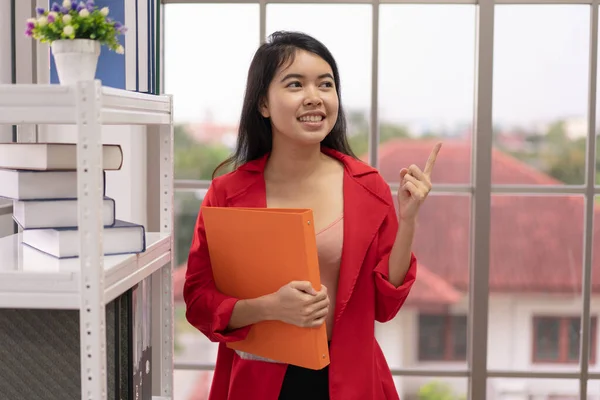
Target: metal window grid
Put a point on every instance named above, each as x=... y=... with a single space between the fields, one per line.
x=481 y=187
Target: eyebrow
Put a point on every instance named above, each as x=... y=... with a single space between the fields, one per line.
x=299 y=76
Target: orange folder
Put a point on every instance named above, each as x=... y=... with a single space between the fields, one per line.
x=254 y=252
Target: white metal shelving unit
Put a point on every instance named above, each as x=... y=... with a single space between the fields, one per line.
x=87 y=284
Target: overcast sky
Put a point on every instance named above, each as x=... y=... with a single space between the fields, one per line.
x=426 y=64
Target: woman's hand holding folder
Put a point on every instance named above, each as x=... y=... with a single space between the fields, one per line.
x=296 y=303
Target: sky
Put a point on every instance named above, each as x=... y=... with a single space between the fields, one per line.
x=426 y=59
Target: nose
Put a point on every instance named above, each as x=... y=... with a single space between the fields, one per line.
x=313 y=97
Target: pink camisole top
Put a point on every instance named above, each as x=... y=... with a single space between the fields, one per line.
x=329 y=245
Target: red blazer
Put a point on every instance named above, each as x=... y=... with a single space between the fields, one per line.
x=358 y=369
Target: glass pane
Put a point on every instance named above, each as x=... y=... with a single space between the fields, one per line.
x=533 y=389
x=441 y=245
x=595 y=278
x=574 y=338
x=426 y=83
x=593 y=390
x=190 y=344
x=431 y=388
x=459 y=337
x=206 y=82
x=547 y=339
x=541 y=57
x=433 y=330
x=536 y=258
x=350 y=44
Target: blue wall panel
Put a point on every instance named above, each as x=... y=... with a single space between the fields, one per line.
x=111 y=66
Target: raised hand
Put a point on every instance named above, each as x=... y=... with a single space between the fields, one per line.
x=297 y=303
x=415 y=185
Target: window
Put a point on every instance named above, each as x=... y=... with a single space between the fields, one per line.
x=556 y=339
x=442 y=337
x=541 y=49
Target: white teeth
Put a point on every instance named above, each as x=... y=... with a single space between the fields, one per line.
x=311 y=118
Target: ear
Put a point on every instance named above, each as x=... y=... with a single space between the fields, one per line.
x=263 y=108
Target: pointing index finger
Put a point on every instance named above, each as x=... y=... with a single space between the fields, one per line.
x=431 y=160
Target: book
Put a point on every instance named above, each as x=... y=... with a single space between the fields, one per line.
x=254 y=252
x=121 y=238
x=53 y=156
x=39 y=185
x=37 y=214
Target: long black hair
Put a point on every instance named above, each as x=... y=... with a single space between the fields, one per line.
x=254 y=134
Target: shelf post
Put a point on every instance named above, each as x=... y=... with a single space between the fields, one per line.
x=166 y=226
x=89 y=193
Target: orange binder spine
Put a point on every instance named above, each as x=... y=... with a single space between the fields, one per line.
x=315 y=279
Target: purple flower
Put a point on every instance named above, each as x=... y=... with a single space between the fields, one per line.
x=120 y=27
x=28 y=32
x=55 y=7
x=74 y=5
x=90 y=5
x=80 y=6
x=64 y=10
x=50 y=18
x=40 y=11
x=30 y=25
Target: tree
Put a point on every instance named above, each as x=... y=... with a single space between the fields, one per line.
x=438 y=391
x=358 y=132
x=557 y=155
x=187 y=206
x=195 y=160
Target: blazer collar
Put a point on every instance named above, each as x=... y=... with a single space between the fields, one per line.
x=365 y=210
x=354 y=168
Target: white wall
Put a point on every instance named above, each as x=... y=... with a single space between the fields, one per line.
x=128 y=185
x=510 y=340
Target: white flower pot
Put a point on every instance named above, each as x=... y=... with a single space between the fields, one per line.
x=76 y=60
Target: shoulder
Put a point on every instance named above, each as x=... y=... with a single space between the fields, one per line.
x=369 y=177
x=232 y=183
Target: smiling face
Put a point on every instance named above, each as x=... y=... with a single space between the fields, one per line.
x=302 y=101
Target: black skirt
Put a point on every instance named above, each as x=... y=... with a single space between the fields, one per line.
x=303 y=383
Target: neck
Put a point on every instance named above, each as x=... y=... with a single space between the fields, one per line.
x=292 y=162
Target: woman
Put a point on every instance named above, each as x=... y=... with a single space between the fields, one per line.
x=292 y=152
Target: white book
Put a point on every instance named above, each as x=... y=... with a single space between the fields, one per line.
x=53 y=156
x=37 y=214
x=39 y=185
x=121 y=238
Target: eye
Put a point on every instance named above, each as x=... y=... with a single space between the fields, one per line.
x=327 y=84
x=294 y=84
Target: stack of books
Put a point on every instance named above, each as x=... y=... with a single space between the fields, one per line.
x=41 y=179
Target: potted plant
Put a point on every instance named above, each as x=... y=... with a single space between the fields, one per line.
x=75 y=32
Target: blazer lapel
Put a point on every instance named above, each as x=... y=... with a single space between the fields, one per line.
x=249 y=189
x=364 y=212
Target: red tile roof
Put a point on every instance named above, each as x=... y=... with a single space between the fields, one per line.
x=453 y=165
x=432 y=290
